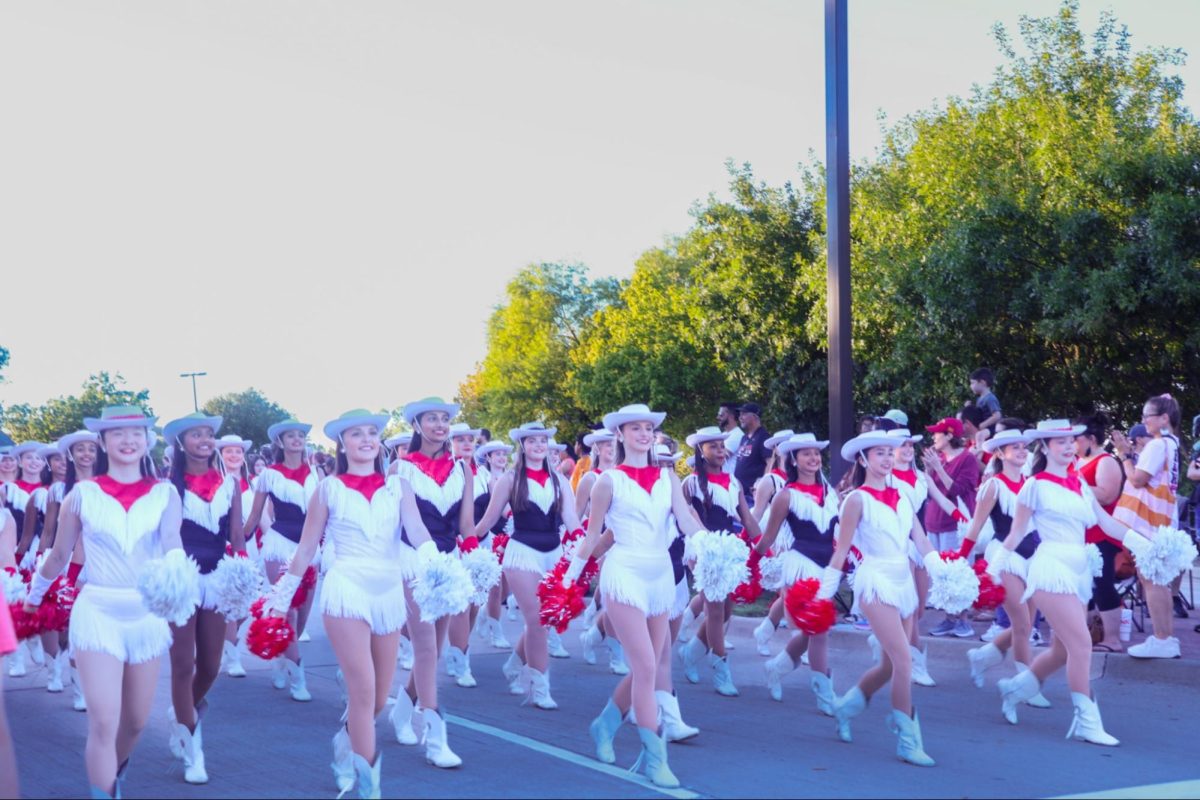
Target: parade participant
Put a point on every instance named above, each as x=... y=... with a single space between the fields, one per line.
x=541 y=503
x=1102 y=473
x=54 y=643
x=1149 y=501
x=720 y=504
x=212 y=522
x=1060 y=507
x=442 y=488
x=125 y=517
x=996 y=503
x=604 y=456
x=635 y=500
x=492 y=459
x=764 y=492
x=289 y=484
x=458 y=657
x=397 y=447
x=807 y=507
x=363 y=606
x=879 y=520
x=232 y=450
x=18 y=494
x=9 y=468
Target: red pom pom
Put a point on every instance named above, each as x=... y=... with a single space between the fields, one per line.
x=25 y=625
x=468 y=544
x=256 y=608
x=307 y=582
x=950 y=555
x=560 y=605
x=573 y=536
x=747 y=593
x=269 y=636
x=499 y=542
x=991 y=593
x=810 y=615
x=54 y=613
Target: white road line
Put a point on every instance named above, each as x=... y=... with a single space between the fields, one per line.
x=1153 y=791
x=571 y=757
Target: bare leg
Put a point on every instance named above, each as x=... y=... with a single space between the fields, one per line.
x=422 y=681
x=921 y=578
x=210 y=638
x=1067 y=618
x=1162 y=612
x=460 y=629
x=137 y=698
x=102 y=677
x=368 y=664
x=713 y=633
x=183 y=672
x=533 y=648
x=644 y=639
x=1021 y=617
x=896 y=659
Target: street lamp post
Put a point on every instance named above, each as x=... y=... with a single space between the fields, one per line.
x=837 y=196
x=193 y=376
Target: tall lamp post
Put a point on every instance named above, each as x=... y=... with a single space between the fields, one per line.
x=837 y=189
x=193 y=376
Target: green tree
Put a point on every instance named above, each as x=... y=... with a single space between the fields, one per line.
x=547 y=311
x=247 y=413
x=62 y=415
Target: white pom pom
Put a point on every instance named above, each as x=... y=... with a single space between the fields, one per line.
x=720 y=563
x=771 y=571
x=1095 y=561
x=954 y=587
x=442 y=587
x=1171 y=552
x=238 y=583
x=14 y=587
x=484 y=568
x=170 y=586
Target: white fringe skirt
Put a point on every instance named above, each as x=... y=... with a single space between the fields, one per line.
x=644 y=580
x=888 y=581
x=527 y=559
x=1014 y=564
x=1060 y=568
x=114 y=620
x=682 y=598
x=367 y=589
x=795 y=566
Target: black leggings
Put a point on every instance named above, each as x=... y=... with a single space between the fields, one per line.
x=1104 y=590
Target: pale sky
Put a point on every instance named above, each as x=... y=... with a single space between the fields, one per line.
x=324 y=200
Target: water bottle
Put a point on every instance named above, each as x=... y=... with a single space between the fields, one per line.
x=1126 y=622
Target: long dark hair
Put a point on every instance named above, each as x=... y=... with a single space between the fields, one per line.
x=793 y=471
x=701 y=473
x=415 y=445
x=1039 y=457
x=519 y=501
x=342 y=465
x=179 y=467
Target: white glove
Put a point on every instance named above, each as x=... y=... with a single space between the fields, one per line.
x=1136 y=544
x=38 y=587
x=831 y=579
x=573 y=571
x=933 y=562
x=426 y=552
x=281 y=595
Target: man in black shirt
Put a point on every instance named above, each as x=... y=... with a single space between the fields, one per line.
x=752 y=452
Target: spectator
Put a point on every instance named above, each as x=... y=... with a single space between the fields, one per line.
x=583 y=460
x=982 y=383
x=957 y=473
x=1138 y=436
x=974 y=434
x=752 y=452
x=1148 y=501
x=866 y=424
x=727 y=421
x=897 y=416
x=483 y=438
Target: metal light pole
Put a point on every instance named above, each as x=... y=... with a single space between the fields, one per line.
x=837 y=196
x=193 y=376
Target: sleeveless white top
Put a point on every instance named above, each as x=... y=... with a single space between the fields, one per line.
x=116 y=542
x=637 y=518
x=362 y=529
x=883 y=533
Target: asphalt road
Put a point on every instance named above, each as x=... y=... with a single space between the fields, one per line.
x=259 y=743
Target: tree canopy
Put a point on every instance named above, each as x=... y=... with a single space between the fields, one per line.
x=62 y=415
x=247 y=413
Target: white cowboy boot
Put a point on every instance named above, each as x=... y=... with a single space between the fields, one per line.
x=16 y=662
x=188 y=746
x=616 y=658
x=920 y=667
x=1087 y=725
x=539 y=688
x=78 y=702
x=402 y=718
x=653 y=759
x=846 y=708
x=982 y=659
x=588 y=640
x=822 y=687
x=512 y=673
x=404 y=655
x=37 y=654
x=722 y=677
x=688 y=627
x=453 y=661
x=1014 y=691
x=762 y=636
x=554 y=645
x=604 y=729
x=465 y=679
x=437 y=750
x=233 y=660
x=279 y=672
x=691 y=653
x=299 y=686
x=1038 y=700
x=368 y=776
x=776 y=668
x=674 y=728
x=909 y=746
x=343 y=761
x=54 y=683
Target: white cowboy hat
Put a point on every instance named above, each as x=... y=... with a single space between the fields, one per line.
x=119 y=417
x=49 y=450
x=486 y=449
x=399 y=439
x=233 y=440
x=283 y=426
x=779 y=437
x=865 y=441
x=359 y=416
x=905 y=435
x=416 y=409
x=801 y=441
x=65 y=443
x=1055 y=429
x=662 y=453
x=710 y=434
x=1005 y=438
x=463 y=429
x=598 y=437
x=638 y=412
x=177 y=427
x=553 y=445
x=531 y=429
x=26 y=447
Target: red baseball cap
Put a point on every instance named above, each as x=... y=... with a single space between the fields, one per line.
x=948 y=425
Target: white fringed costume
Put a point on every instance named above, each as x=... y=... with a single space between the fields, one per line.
x=365 y=580
x=883 y=537
x=535 y=545
x=109 y=615
x=1062 y=512
x=1015 y=563
x=811 y=534
x=914 y=485
x=637 y=570
x=289 y=501
x=205 y=533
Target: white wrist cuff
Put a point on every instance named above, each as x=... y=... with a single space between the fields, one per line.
x=38 y=587
x=831 y=579
x=281 y=595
